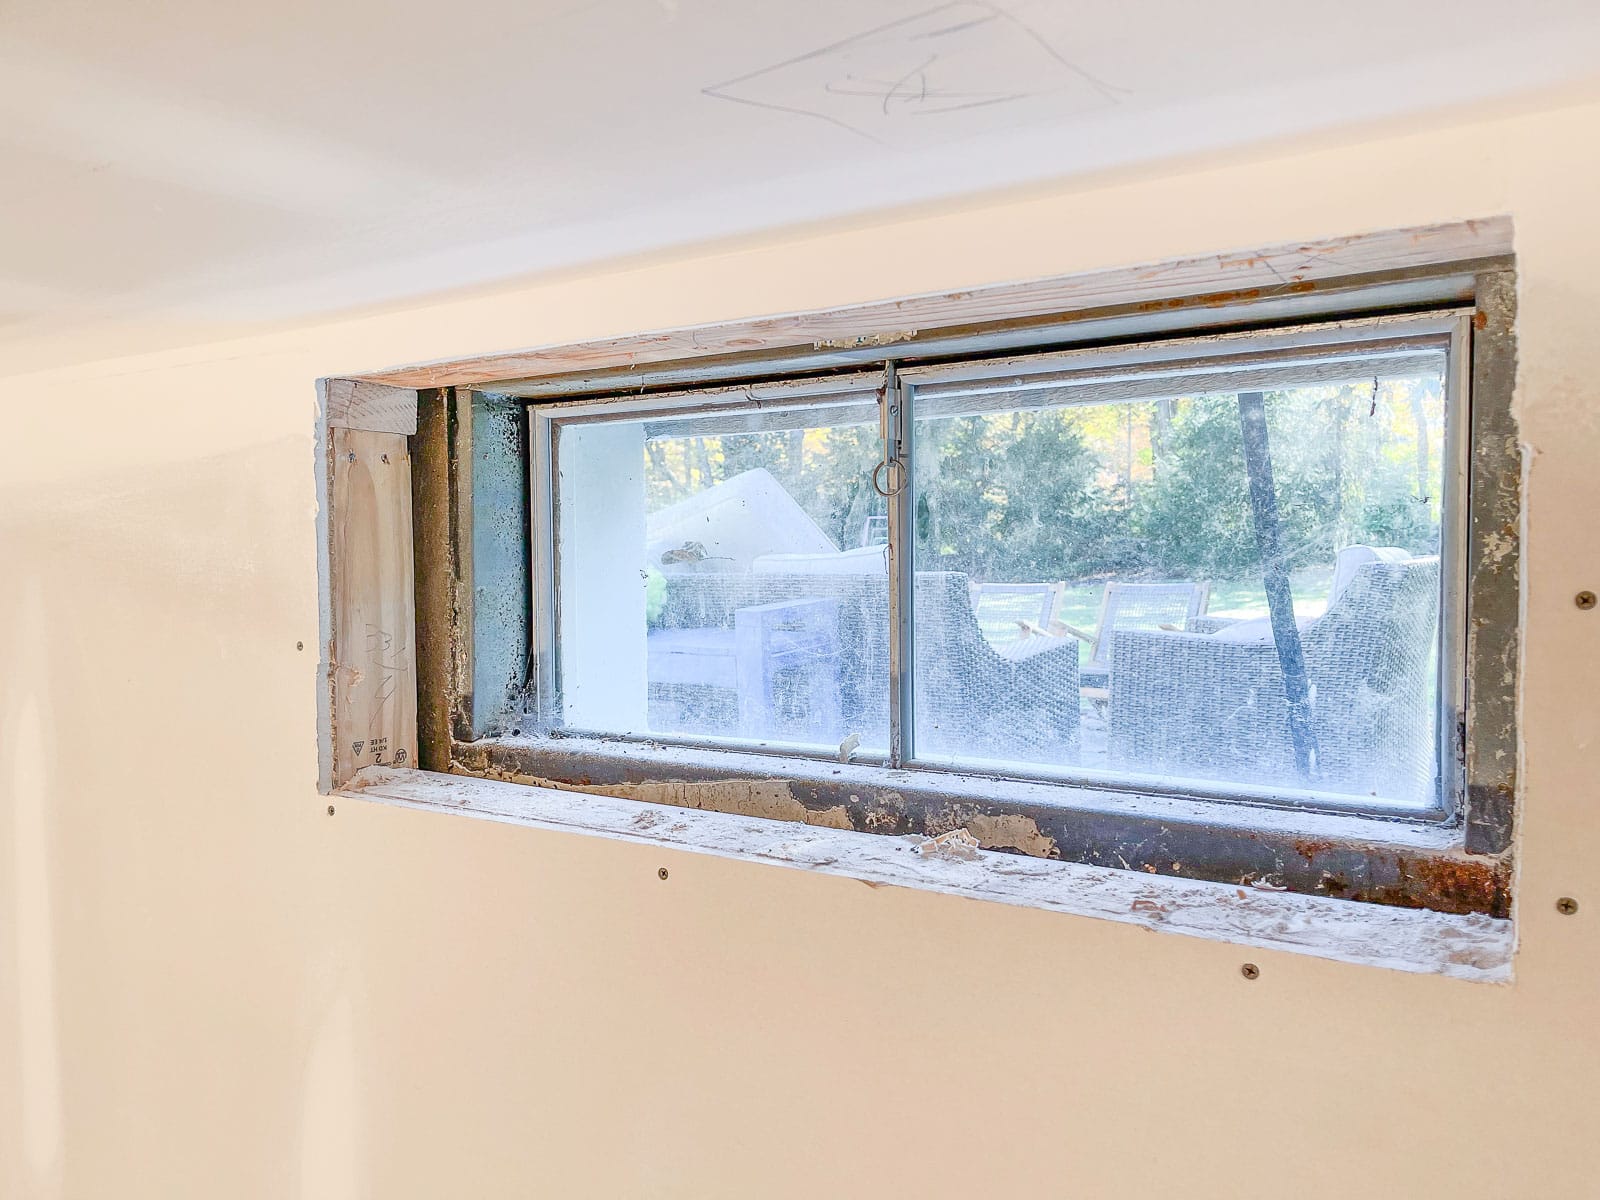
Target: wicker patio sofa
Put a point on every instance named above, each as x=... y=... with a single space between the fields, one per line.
x=1209 y=704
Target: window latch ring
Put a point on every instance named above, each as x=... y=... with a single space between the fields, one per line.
x=900 y=475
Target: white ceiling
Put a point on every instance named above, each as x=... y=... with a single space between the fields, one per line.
x=197 y=159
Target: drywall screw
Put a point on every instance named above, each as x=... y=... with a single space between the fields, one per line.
x=1584 y=600
x=299 y=645
x=352 y=456
x=662 y=873
x=1250 y=971
x=330 y=810
x=1566 y=906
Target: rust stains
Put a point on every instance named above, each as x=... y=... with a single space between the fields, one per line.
x=1452 y=885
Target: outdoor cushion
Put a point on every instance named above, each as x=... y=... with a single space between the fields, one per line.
x=1256 y=629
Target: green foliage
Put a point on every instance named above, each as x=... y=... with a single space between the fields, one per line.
x=1193 y=519
x=1152 y=489
x=1010 y=497
x=655 y=595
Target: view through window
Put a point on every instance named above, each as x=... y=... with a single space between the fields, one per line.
x=1218 y=574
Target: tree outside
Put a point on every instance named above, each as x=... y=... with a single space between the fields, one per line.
x=1144 y=490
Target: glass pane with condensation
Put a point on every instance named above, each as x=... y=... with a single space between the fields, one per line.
x=722 y=576
x=1092 y=582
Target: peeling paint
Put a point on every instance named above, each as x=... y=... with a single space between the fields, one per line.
x=1013 y=832
x=770 y=799
x=957 y=843
x=837 y=817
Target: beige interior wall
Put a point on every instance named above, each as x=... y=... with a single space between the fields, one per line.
x=211 y=988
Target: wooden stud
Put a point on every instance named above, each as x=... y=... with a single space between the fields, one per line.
x=435 y=573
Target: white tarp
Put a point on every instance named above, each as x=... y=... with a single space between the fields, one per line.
x=736 y=522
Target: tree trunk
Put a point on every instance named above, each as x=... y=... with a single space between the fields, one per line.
x=1160 y=436
x=658 y=462
x=1421 y=418
x=1280 y=600
x=1341 y=418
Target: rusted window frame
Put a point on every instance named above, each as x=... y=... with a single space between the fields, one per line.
x=474 y=621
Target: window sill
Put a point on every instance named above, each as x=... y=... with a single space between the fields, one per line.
x=1347 y=856
x=1470 y=946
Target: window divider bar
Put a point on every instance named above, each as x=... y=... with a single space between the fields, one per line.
x=902 y=567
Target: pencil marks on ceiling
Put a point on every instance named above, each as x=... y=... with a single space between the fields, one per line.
x=957 y=62
x=195 y=166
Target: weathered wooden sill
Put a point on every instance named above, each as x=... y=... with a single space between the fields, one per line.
x=1470 y=946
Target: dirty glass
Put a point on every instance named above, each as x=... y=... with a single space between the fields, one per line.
x=1185 y=581
x=722 y=575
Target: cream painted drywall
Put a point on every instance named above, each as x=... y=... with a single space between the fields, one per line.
x=210 y=988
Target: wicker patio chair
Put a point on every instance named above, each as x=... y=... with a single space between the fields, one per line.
x=1009 y=611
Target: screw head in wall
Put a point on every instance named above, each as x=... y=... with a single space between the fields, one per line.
x=1250 y=971
x=1566 y=906
x=662 y=873
x=330 y=810
x=1584 y=600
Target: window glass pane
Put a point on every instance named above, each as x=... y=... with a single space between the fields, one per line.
x=1093 y=577
x=723 y=575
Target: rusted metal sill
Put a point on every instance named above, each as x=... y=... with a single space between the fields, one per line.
x=1349 y=857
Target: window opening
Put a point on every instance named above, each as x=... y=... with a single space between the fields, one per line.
x=1226 y=567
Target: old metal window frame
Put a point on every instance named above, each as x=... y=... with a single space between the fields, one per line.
x=476 y=519
x=1222 y=363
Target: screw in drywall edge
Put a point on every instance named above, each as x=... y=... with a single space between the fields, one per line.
x=330 y=810
x=1566 y=906
x=661 y=873
x=299 y=645
x=1584 y=600
x=1250 y=971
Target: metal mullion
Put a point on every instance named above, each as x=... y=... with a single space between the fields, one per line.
x=902 y=565
x=543 y=639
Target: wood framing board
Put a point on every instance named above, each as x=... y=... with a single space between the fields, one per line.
x=371 y=655
x=375 y=407
x=1210 y=279
x=434 y=557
